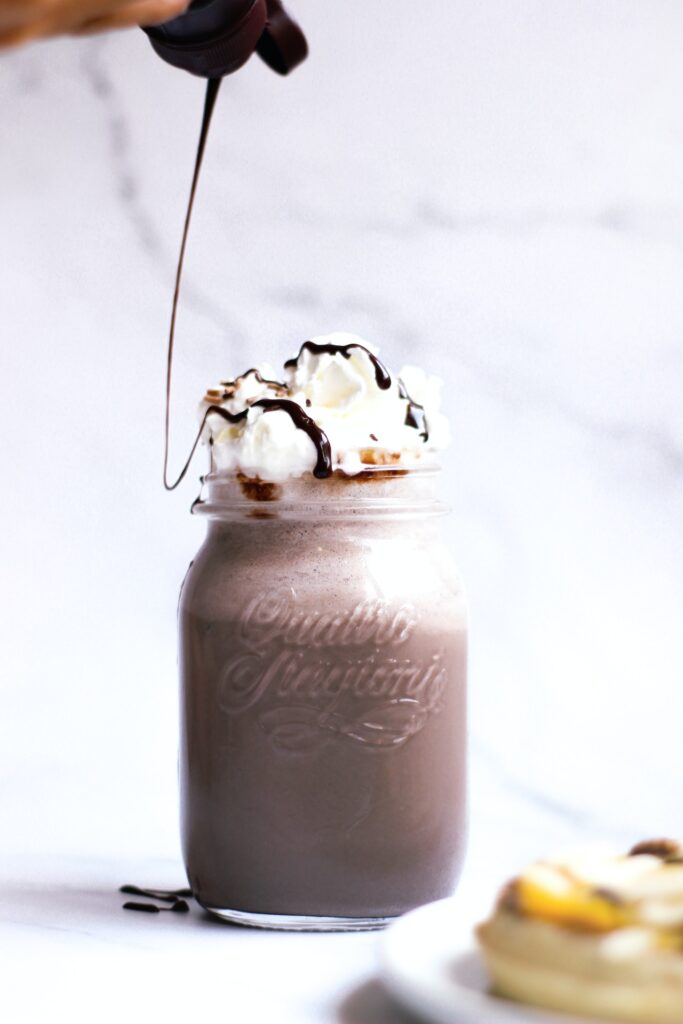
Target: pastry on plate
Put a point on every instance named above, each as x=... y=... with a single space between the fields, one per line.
x=594 y=934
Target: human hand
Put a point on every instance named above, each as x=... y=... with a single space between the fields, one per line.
x=23 y=20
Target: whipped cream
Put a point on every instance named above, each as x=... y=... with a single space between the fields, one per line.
x=336 y=407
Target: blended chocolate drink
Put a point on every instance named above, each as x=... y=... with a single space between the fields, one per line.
x=323 y=650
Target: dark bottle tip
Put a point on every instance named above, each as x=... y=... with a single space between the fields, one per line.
x=283 y=45
x=214 y=38
x=211 y=39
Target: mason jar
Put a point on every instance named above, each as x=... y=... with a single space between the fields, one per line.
x=323 y=633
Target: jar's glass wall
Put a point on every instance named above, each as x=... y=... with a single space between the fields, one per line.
x=323 y=673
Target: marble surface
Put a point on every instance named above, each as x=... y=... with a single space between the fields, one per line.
x=493 y=190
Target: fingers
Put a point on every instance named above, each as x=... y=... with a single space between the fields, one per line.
x=24 y=20
x=157 y=12
x=37 y=16
x=144 y=12
x=17 y=36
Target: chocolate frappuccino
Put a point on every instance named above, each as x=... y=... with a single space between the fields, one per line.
x=323 y=650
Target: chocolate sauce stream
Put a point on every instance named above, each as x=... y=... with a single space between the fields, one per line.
x=382 y=375
x=212 y=87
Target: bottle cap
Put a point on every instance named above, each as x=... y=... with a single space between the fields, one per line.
x=216 y=37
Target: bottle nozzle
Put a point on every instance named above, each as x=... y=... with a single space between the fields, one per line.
x=216 y=37
x=282 y=45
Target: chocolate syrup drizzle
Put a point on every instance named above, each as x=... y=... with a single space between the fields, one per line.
x=415 y=414
x=300 y=419
x=229 y=388
x=259 y=377
x=382 y=375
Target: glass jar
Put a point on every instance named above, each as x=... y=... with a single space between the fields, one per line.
x=323 y=633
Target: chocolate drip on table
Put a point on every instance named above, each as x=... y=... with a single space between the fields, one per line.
x=382 y=375
x=176 y=897
x=165 y=895
x=179 y=907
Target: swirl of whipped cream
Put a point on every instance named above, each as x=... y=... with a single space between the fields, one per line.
x=363 y=414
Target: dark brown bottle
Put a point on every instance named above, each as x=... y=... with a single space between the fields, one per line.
x=216 y=37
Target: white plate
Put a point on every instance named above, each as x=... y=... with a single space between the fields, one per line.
x=430 y=964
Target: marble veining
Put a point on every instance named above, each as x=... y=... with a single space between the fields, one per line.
x=507 y=210
x=102 y=82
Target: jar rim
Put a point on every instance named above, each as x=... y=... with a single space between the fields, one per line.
x=377 y=491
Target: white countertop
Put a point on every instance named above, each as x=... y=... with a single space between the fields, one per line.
x=62 y=922
x=494 y=191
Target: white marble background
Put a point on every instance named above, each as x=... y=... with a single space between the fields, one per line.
x=494 y=190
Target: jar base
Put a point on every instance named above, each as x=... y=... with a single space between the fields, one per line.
x=299 y=923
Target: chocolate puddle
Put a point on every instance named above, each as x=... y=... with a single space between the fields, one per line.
x=176 y=897
x=164 y=895
x=179 y=907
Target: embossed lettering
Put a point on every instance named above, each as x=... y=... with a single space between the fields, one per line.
x=274 y=614
x=300 y=673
